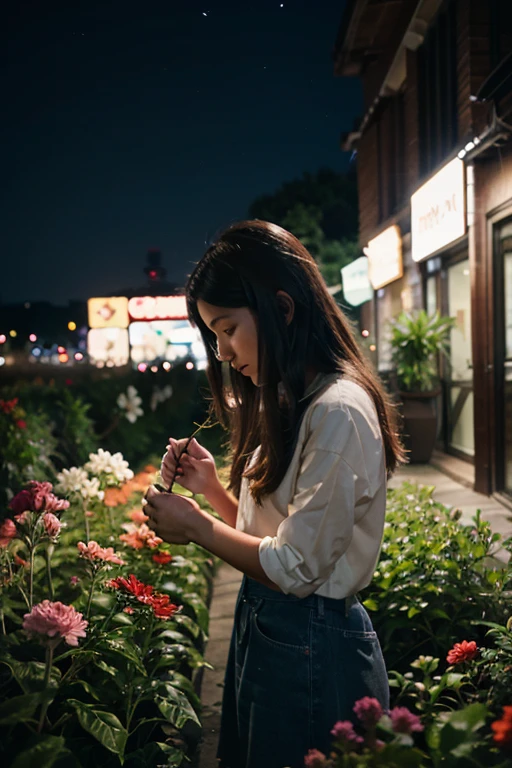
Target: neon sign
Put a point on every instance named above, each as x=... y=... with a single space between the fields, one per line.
x=158 y=308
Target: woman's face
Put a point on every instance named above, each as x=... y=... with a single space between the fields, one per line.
x=237 y=336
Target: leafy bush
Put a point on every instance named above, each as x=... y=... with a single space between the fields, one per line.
x=103 y=672
x=434 y=575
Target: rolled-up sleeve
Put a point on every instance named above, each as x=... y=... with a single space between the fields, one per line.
x=318 y=530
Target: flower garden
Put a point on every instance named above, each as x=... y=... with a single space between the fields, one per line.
x=103 y=626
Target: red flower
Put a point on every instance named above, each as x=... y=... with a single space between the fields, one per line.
x=162 y=558
x=143 y=592
x=8 y=405
x=21 y=424
x=162 y=607
x=20 y=561
x=503 y=729
x=21 y=502
x=161 y=604
x=463 y=651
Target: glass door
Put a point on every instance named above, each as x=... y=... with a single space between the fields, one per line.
x=460 y=430
x=503 y=355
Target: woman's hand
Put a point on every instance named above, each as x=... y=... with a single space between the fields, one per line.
x=196 y=468
x=171 y=516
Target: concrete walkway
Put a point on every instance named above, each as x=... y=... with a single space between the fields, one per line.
x=227 y=582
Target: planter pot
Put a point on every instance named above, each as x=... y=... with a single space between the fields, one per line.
x=419 y=425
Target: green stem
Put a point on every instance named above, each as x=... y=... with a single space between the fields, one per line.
x=47 y=671
x=31 y=578
x=3 y=623
x=91 y=592
x=48 y=557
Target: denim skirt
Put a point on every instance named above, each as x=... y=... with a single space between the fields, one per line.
x=296 y=666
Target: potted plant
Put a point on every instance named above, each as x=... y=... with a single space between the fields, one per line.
x=417 y=342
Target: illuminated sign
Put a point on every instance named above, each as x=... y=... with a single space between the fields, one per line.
x=158 y=308
x=108 y=346
x=163 y=340
x=438 y=211
x=109 y=312
x=385 y=257
x=356 y=285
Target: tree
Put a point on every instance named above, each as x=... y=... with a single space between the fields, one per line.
x=321 y=209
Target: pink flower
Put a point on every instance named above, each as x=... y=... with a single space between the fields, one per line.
x=7 y=532
x=52 y=524
x=37 y=498
x=314 y=759
x=40 y=492
x=22 y=518
x=403 y=721
x=343 y=730
x=368 y=710
x=55 y=620
x=21 y=502
x=138 y=516
x=92 y=551
x=74 y=581
x=140 y=537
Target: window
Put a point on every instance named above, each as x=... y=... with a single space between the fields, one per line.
x=437 y=90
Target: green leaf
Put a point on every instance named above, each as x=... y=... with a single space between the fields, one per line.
x=104 y=726
x=42 y=754
x=460 y=726
x=200 y=610
x=19 y=709
x=124 y=648
x=30 y=674
x=176 y=708
x=370 y=604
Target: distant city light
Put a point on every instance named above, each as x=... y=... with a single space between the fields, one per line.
x=32 y=337
x=189 y=366
x=61 y=350
x=63 y=358
x=166 y=366
x=154 y=368
x=13 y=334
x=79 y=356
x=365 y=333
x=141 y=367
x=3 y=338
x=72 y=325
x=2 y=360
x=372 y=347
x=37 y=351
x=110 y=363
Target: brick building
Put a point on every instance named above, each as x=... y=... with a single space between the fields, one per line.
x=434 y=152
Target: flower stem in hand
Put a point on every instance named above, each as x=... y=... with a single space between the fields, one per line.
x=205 y=425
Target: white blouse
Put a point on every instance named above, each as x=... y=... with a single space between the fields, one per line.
x=322 y=529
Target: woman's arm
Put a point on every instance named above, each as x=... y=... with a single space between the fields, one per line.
x=180 y=520
x=223 y=502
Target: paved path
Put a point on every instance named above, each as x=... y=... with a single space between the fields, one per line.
x=227 y=583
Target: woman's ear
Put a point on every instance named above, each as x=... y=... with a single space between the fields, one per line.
x=287 y=305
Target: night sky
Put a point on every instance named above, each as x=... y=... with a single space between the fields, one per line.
x=154 y=124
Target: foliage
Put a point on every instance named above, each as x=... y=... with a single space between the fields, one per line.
x=322 y=211
x=434 y=574
x=57 y=425
x=28 y=446
x=125 y=693
x=417 y=340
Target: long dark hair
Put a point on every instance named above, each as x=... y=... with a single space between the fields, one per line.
x=245 y=267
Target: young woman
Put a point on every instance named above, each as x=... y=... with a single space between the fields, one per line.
x=313 y=440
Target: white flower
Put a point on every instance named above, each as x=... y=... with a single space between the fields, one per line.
x=91 y=489
x=104 y=463
x=130 y=403
x=160 y=396
x=71 y=480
